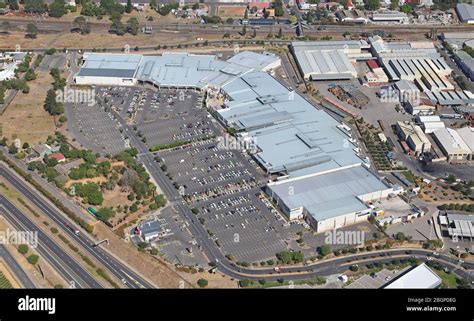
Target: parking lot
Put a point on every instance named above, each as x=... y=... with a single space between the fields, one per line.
x=168 y=116
x=95 y=127
x=223 y=187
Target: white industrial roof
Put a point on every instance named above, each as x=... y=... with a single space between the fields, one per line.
x=421 y=277
x=326 y=59
x=467 y=135
x=451 y=141
x=329 y=195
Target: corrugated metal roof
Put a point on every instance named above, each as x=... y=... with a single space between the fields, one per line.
x=465 y=11
x=329 y=195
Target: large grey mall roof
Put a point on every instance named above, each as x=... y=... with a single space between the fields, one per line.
x=329 y=195
x=109 y=65
x=281 y=120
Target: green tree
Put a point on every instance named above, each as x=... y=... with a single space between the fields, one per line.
x=23 y=248
x=128 y=7
x=31 y=30
x=57 y=9
x=278 y=6
x=372 y=4
x=13 y=4
x=284 y=257
x=325 y=250
x=33 y=259
x=133 y=26
x=52 y=106
x=105 y=213
x=80 y=24
x=202 y=283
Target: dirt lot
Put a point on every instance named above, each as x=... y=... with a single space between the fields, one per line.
x=98 y=40
x=441 y=193
x=26 y=118
x=230 y=11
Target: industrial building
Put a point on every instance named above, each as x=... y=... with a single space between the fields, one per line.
x=390 y=17
x=376 y=76
x=465 y=12
x=420 y=277
x=331 y=199
x=328 y=60
x=418 y=62
x=452 y=145
x=456 y=40
x=422 y=107
x=466 y=63
x=451 y=98
x=352 y=16
x=414 y=137
x=429 y=123
x=460 y=225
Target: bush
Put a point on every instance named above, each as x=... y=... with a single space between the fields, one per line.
x=244 y=283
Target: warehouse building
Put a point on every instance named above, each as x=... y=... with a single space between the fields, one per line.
x=429 y=123
x=456 y=40
x=466 y=63
x=423 y=107
x=460 y=225
x=390 y=17
x=465 y=12
x=332 y=199
x=352 y=16
x=467 y=135
x=452 y=145
x=414 y=137
x=328 y=60
x=418 y=62
x=420 y=277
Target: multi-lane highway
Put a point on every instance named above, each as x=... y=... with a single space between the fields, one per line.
x=111 y=263
x=48 y=249
x=16 y=268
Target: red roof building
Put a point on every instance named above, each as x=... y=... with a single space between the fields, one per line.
x=57 y=156
x=372 y=64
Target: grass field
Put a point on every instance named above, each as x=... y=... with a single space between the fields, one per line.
x=26 y=118
x=449 y=279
